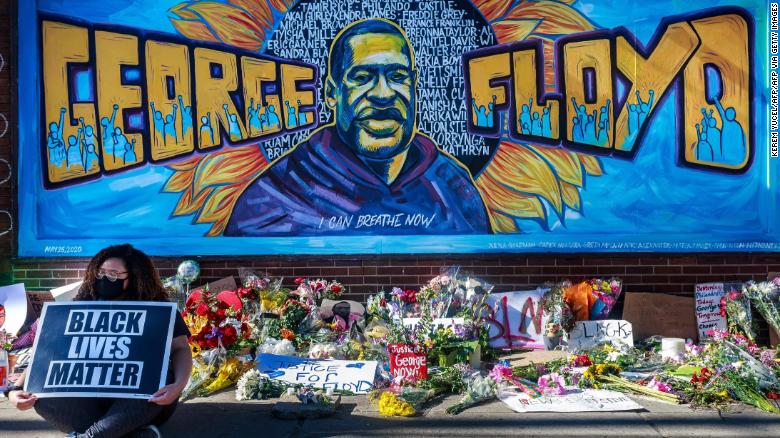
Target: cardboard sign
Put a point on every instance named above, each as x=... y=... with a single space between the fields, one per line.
x=35 y=302
x=709 y=314
x=660 y=314
x=407 y=362
x=587 y=334
x=227 y=283
x=341 y=375
x=516 y=319
x=587 y=400
x=116 y=349
x=13 y=308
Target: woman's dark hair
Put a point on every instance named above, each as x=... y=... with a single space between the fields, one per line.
x=143 y=280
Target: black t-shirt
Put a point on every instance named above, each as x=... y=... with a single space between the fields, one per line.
x=180 y=327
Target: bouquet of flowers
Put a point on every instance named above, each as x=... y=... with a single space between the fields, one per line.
x=739 y=317
x=478 y=389
x=216 y=321
x=765 y=297
x=605 y=294
x=556 y=308
x=312 y=292
x=252 y=385
x=6 y=340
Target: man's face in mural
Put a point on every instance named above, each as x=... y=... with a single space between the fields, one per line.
x=374 y=96
x=2 y=315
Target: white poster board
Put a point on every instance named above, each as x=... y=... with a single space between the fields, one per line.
x=13 y=300
x=516 y=319
x=587 y=400
x=588 y=334
x=67 y=292
x=709 y=315
x=356 y=376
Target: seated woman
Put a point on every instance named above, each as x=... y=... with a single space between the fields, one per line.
x=120 y=273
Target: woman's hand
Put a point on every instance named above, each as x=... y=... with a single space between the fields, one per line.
x=167 y=394
x=22 y=400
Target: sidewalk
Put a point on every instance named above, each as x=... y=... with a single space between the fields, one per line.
x=222 y=416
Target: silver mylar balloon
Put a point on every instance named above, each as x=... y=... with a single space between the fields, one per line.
x=188 y=271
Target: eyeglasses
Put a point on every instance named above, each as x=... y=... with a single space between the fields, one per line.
x=111 y=275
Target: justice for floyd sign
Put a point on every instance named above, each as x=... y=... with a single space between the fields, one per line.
x=100 y=349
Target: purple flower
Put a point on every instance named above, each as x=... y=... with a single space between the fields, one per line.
x=552 y=384
x=768 y=358
x=658 y=385
x=499 y=372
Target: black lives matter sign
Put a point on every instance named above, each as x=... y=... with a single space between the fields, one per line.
x=101 y=349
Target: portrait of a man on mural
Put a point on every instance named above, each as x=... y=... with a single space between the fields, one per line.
x=371 y=169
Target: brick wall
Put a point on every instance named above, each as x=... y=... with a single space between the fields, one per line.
x=674 y=274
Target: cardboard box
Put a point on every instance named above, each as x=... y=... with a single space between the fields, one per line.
x=660 y=314
x=215 y=287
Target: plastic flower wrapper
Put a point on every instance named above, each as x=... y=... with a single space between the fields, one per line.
x=175 y=291
x=479 y=389
x=765 y=297
x=555 y=307
x=377 y=307
x=739 y=360
x=252 y=385
x=376 y=331
x=204 y=366
x=281 y=347
x=227 y=374
x=739 y=317
x=324 y=351
x=604 y=296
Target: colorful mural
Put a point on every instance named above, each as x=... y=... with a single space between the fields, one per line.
x=376 y=126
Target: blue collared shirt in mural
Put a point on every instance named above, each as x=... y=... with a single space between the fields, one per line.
x=323 y=188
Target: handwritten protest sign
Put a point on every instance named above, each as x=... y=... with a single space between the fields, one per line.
x=114 y=349
x=590 y=333
x=342 y=375
x=407 y=362
x=516 y=319
x=709 y=314
x=588 y=400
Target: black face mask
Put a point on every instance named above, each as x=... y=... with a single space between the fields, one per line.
x=107 y=289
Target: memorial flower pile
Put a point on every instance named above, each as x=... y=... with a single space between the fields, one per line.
x=438 y=332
